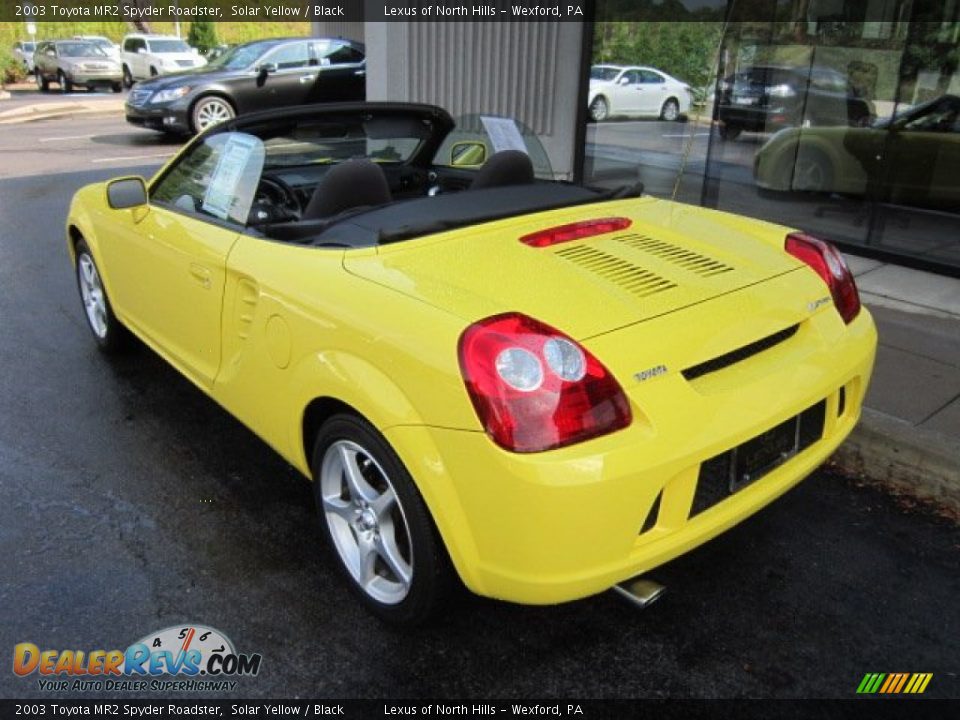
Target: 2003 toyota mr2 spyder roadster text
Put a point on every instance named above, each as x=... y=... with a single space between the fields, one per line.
x=542 y=388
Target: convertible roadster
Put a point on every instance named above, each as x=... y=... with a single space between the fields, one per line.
x=542 y=389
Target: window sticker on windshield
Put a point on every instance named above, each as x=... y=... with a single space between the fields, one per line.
x=230 y=190
x=504 y=134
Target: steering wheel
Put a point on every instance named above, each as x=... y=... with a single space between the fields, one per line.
x=275 y=201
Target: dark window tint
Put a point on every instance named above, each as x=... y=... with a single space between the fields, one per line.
x=343 y=55
x=650 y=77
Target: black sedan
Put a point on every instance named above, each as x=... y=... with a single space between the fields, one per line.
x=259 y=75
x=766 y=98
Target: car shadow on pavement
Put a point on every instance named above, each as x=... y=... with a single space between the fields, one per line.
x=139 y=138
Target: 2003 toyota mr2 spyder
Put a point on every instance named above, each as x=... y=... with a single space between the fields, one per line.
x=542 y=388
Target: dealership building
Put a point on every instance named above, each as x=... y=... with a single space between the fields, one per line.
x=838 y=117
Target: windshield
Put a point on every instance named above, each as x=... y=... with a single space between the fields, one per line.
x=381 y=139
x=241 y=56
x=30 y=46
x=603 y=73
x=102 y=43
x=169 y=46
x=79 y=49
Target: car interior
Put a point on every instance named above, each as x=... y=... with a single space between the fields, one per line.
x=355 y=179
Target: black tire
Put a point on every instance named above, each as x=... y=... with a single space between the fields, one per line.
x=112 y=337
x=127 y=77
x=42 y=83
x=65 y=85
x=670 y=110
x=430 y=571
x=730 y=131
x=116 y=87
x=599 y=109
x=205 y=108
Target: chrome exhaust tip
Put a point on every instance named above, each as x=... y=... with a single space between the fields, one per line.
x=640 y=592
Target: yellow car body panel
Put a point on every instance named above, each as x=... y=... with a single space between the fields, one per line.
x=266 y=328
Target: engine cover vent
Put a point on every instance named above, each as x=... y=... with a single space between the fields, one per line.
x=681 y=257
x=630 y=277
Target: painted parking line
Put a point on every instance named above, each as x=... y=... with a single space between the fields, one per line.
x=131 y=157
x=686 y=135
x=66 y=137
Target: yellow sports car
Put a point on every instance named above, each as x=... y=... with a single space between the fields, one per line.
x=909 y=159
x=543 y=389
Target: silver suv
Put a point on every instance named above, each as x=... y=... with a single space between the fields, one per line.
x=75 y=63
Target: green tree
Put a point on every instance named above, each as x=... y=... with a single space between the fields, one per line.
x=203 y=35
x=686 y=50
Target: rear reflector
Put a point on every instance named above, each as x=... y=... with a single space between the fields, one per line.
x=575 y=231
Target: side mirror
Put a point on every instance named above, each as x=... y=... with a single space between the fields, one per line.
x=267 y=68
x=128 y=192
x=141 y=51
x=623 y=81
x=468 y=154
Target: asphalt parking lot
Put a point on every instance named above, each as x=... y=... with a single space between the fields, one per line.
x=129 y=502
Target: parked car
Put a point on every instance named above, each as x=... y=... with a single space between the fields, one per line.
x=255 y=76
x=105 y=44
x=544 y=388
x=636 y=92
x=146 y=56
x=75 y=63
x=910 y=159
x=767 y=98
x=23 y=51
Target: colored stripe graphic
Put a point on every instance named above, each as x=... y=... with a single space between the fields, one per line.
x=894 y=683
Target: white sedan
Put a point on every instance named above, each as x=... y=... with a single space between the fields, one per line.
x=636 y=91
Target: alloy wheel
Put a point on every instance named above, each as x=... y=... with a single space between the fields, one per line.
x=91 y=292
x=366 y=522
x=211 y=112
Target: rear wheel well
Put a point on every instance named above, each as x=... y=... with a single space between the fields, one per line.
x=315 y=415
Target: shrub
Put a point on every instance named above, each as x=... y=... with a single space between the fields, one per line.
x=11 y=69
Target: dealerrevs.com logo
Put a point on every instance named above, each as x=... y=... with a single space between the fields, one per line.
x=199 y=657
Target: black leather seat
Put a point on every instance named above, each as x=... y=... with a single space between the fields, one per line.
x=351 y=184
x=507 y=167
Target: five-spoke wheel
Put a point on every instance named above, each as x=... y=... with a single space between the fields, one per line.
x=107 y=330
x=377 y=522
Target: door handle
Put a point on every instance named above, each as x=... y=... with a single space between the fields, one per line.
x=201 y=275
x=307 y=78
x=360 y=73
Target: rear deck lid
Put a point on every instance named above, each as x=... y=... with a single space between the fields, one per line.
x=671 y=256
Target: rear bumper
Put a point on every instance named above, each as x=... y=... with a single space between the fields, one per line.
x=561 y=525
x=755 y=119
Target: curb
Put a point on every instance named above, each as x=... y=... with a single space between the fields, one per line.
x=30 y=113
x=890 y=452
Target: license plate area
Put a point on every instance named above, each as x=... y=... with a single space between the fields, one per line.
x=725 y=474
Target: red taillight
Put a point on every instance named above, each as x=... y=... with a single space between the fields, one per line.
x=829 y=265
x=575 y=231
x=534 y=388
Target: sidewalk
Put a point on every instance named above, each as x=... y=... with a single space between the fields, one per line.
x=909 y=435
x=24 y=104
